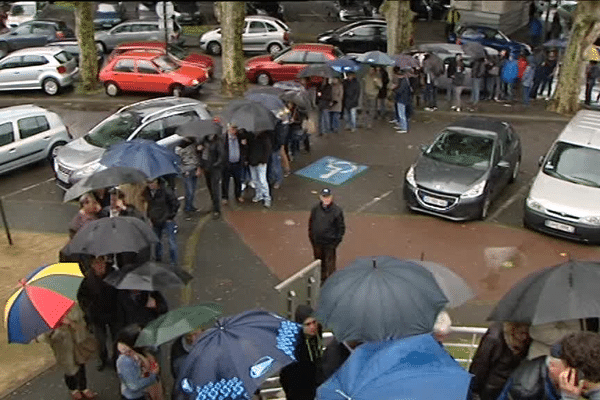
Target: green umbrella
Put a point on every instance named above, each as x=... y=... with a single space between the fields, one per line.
x=177 y=322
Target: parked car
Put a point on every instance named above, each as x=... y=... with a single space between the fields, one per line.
x=189 y=13
x=260 y=34
x=270 y=8
x=430 y=9
x=21 y=11
x=72 y=47
x=137 y=31
x=142 y=71
x=32 y=34
x=154 y=119
x=358 y=37
x=286 y=65
x=108 y=15
x=180 y=54
x=46 y=68
x=467 y=166
x=563 y=199
x=355 y=10
x=491 y=37
x=29 y=134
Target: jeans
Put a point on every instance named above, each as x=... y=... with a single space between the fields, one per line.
x=476 y=90
x=295 y=136
x=235 y=171
x=259 y=176
x=401 y=116
x=350 y=117
x=589 y=85
x=189 y=182
x=77 y=381
x=369 y=110
x=324 y=122
x=213 y=183
x=430 y=95
x=274 y=169
x=526 y=93
x=170 y=229
x=547 y=82
x=457 y=94
x=381 y=106
x=335 y=121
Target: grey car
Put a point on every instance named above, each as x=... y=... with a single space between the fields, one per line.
x=137 y=31
x=467 y=166
x=154 y=119
x=33 y=34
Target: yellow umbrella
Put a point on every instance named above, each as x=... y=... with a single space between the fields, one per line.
x=592 y=54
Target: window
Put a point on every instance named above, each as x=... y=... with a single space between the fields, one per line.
x=292 y=57
x=124 y=65
x=32 y=60
x=32 y=126
x=285 y=28
x=12 y=62
x=121 y=29
x=7 y=135
x=42 y=29
x=363 y=31
x=380 y=31
x=270 y=28
x=146 y=67
x=174 y=121
x=257 y=27
x=144 y=28
x=315 y=58
x=153 y=131
x=64 y=56
x=23 y=29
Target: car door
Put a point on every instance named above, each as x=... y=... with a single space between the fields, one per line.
x=41 y=34
x=20 y=36
x=9 y=152
x=123 y=73
x=255 y=37
x=32 y=66
x=34 y=137
x=498 y=173
x=288 y=66
x=364 y=38
x=146 y=32
x=119 y=34
x=10 y=72
x=152 y=131
x=171 y=123
x=348 y=40
x=150 y=78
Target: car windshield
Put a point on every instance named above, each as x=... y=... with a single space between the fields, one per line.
x=573 y=163
x=462 y=149
x=63 y=57
x=114 y=129
x=22 y=9
x=178 y=52
x=282 y=52
x=166 y=64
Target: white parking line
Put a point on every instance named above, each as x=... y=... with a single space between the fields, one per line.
x=28 y=187
x=375 y=200
x=512 y=199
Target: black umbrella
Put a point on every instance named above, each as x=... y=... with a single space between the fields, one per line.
x=269 y=100
x=112 y=236
x=434 y=64
x=379 y=298
x=474 y=50
x=199 y=129
x=265 y=89
x=322 y=70
x=111 y=176
x=562 y=292
x=249 y=115
x=300 y=98
x=149 y=276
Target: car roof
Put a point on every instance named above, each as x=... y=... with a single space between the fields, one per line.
x=583 y=129
x=265 y=17
x=313 y=46
x=20 y=110
x=50 y=51
x=141 y=54
x=450 y=48
x=481 y=124
x=137 y=45
x=159 y=105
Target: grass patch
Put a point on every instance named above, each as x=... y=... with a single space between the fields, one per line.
x=197 y=30
x=67 y=5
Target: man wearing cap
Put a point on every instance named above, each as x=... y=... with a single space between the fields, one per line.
x=326 y=229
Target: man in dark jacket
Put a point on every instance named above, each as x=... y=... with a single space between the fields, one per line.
x=212 y=161
x=140 y=306
x=323 y=101
x=234 y=156
x=326 y=229
x=161 y=210
x=335 y=354
x=259 y=150
x=351 y=97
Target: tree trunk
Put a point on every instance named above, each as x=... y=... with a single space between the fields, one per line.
x=585 y=30
x=233 y=82
x=400 y=26
x=88 y=56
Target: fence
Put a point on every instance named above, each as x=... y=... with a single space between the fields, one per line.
x=302 y=287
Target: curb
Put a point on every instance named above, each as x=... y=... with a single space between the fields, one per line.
x=34 y=374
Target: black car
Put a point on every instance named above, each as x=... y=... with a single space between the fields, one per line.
x=72 y=47
x=358 y=37
x=271 y=8
x=357 y=10
x=34 y=34
x=465 y=168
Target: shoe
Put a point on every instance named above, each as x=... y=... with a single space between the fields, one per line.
x=243 y=187
x=286 y=174
x=88 y=394
x=457 y=109
x=240 y=199
x=276 y=186
x=267 y=203
x=252 y=184
x=471 y=109
x=353 y=130
x=401 y=131
x=428 y=109
x=393 y=121
x=216 y=215
x=255 y=199
x=433 y=108
x=453 y=107
x=224 y=201
x=77 y=395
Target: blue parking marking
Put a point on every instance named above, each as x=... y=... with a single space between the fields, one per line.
x=331 y=170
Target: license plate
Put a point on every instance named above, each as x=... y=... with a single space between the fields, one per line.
x=62 y=176
x=559 y=226
x=434 y=201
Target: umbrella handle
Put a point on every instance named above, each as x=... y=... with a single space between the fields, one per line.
x=343 y=394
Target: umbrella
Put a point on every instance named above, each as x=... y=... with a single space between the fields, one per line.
x=112 y=176
x=176 y=323
x=412 y=368
x=300 y=98
x=434 y=64
x=474 y=50
x=271 y=101
x=199 y=129
x=111 y=236
x=562 y=292
x=268 y=90
x=322 y=70
x=288 y=85
x=375 y=58
x=249 y=115
x=380 y=297
x=344 y=65
x=147 y=156
x=592 y=54
x=404 y=61
x=238 y=354
x=558 y=43
x=453 y=286
x=46 y=295
x=149 y=276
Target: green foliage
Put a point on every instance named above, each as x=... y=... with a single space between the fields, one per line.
x=67 y=5
x=197 y=30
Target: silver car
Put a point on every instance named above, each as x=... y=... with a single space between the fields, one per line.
x=28 y=134
x=261 y=34
x=136 y=31
x=46 y=68
x=154 y=119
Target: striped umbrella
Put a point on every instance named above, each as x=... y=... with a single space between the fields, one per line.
x=46 y=295
x=592 y=54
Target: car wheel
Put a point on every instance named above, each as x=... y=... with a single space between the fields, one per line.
x=177 y=90
x=50 y=86
x=214 y=48
x=111 y=89
x=104 y=49
x=274 y=48
x=54 y=150
x=515 y=171
x=485 y=207
x=263 y=79
x=3 y=49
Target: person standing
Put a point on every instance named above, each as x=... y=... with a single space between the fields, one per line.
x=211 y=163
x=477 y=74
x=323 y=102
x=259 y=149
x=452 y=19
x=527 y=83
x=458 y=81
x=335 y=107
x=372 y=85
x=382 y=95
x=161 y=210
x=350 y=101
x=429 y=76
x=235 y=151
x=326 y=229
x=591 y=74
x=190 y=164
x=403 y=99
x=88 y=211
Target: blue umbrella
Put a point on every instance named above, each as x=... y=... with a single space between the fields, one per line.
x=417 y=368
x=344 y=65
x=375 y=58
x=231 y=360
x=145 y=155
x=271 y=101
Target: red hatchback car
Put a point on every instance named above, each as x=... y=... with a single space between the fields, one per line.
x=180 y=54
x=140 y=71
x=286 y=65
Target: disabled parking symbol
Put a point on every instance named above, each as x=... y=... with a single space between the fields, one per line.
x=331 y=170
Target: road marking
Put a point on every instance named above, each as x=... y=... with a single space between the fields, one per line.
x=511 y=200
x=375 y=200
x=29 y=187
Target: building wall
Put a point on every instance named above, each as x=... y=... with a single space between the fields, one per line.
x=505 y=15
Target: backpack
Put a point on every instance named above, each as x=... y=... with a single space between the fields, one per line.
x=510 y=72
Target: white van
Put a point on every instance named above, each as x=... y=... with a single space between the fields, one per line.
x=564 y=199
x=21 y=11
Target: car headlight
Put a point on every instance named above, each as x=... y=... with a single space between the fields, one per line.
x=594 y=220
x=534 y=204
x=475 y=191
x=410 y=176
x=86 y=171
